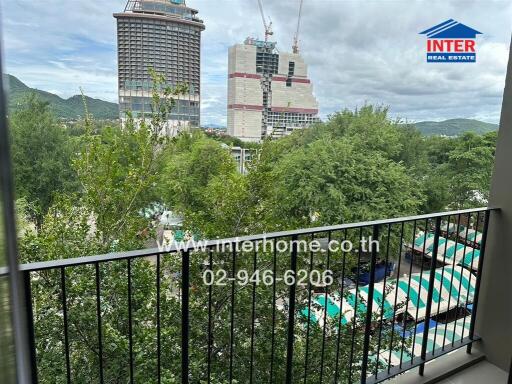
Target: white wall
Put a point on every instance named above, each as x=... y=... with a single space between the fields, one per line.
x=244 y=124
x=299 y=95
x=242 y=58
x=301 y=68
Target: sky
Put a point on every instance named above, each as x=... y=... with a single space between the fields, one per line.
x=358 y=51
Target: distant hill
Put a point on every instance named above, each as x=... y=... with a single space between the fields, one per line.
x=454 y=127
x=213 y=126
x=71 y=108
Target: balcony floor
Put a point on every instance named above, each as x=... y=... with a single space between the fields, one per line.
x=483 y=372
x=456 y=367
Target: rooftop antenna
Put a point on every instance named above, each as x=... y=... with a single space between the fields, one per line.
x=268 y=27
x=295 y=46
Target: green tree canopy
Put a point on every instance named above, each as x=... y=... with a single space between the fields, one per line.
x=353 y=167
x=41 y=154
x=337 y=182
x=460 y=170
x=359 y=165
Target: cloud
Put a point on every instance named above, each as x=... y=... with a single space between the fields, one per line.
x=357 y=51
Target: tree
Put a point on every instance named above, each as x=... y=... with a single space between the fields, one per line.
x=191 y=164
x=356 y=166
x=470 y=168
x=231 y=140
x=41 y=154
x=459 y=171
x=118 y=168
x=351 y=168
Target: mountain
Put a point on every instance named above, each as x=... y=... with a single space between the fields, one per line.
x=213 y=126
x=72 y=108
x=454 y=127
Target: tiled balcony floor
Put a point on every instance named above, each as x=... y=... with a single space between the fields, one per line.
x=477 y=370
x=481 y=373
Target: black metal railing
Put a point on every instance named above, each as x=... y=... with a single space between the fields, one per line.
x=219 y=312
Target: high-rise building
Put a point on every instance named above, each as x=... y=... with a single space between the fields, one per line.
x=269 y=93
x=164 y=35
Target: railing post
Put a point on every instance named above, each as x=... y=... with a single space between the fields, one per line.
x=369 y=304
x=430 y=294
x=158 y=325
x=130 y=320
x=478 y=279
x=291 y=313
x=30 y=325
x=66 y=326
x=99 y=320
x=185 y=279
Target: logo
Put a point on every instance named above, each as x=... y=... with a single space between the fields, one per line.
x=451 y=42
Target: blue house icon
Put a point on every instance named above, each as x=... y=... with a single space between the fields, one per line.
x=451 y=29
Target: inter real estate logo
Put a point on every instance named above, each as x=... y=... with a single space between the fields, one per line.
x=451 y=42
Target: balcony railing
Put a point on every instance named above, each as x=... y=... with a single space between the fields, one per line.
x=202 y=313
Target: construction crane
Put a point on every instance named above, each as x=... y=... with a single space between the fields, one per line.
x=268 y=27
x=295 y=47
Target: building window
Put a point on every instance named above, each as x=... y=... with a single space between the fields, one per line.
x=291 y=68
x=288 y=82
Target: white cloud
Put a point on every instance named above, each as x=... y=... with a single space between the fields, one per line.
x=357 y=51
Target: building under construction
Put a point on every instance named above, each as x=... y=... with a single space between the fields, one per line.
x=163 y=35
x=269 y=92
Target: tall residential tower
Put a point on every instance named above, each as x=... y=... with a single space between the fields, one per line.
x=164 y=35
x=269 y=93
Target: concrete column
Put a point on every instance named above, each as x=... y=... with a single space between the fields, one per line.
x=494 y=317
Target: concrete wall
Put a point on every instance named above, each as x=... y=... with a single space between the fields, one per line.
x=244 y=124
x=299 y=95
x=301 y=68
x=244 y=94
x=242 y=58
x=494 y=315
x=246 y=91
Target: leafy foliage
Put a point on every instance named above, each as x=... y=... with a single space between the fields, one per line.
x=460 y=172
x=359 y=165
x=231 y=140
x=41 y=154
